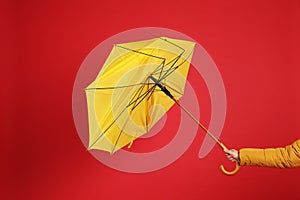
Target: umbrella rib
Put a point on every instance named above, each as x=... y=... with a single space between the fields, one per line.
x=116 y=87
x=159 y=68
x=129 y=104
x=164 y=59
x=138 y=93
x=146 y=115
x=147 y=106
x=172 y=43
x=152 y=90
x=102 y=134
x=175 y=60
x=121 y=131
x=164 y=39
x=114 y=145
x=167 y=74
x=143 y=96
x=128 y=49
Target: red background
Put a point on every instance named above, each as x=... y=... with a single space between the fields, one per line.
x=255 y=45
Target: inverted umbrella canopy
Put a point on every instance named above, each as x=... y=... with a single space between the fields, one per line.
x=127 y=98
x=138 y=84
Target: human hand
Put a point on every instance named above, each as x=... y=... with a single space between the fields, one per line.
x=232 y=155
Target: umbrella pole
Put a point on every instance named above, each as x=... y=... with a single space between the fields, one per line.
x=200 y=125
x=237 y=165
x=168 y=93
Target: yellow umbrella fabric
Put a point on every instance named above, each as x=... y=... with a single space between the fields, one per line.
x=124 y=101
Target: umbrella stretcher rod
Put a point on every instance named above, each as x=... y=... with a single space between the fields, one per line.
x=168 y=93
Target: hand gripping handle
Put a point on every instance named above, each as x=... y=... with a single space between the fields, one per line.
x=237 y=165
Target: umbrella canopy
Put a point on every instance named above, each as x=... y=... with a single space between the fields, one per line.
x=127 y=97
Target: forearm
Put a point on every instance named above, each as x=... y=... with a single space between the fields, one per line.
x=264 y=158
x=286 y=157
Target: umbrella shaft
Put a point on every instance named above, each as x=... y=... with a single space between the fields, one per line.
x=200 y=125
x=168 y=93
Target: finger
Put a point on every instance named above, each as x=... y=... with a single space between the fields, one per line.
x=230 y=157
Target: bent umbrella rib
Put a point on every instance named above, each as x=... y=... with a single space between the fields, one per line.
x=142 y=97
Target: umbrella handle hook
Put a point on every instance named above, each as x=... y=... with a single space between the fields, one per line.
x=230 y=173
x=237 y=164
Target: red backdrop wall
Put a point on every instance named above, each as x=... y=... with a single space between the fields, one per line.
x=255 y=45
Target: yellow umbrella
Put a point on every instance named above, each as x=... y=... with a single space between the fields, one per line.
x=138 y=83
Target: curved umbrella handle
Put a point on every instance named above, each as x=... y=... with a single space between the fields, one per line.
x=230 y=173
x=237 y=164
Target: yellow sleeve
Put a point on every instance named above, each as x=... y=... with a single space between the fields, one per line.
x=285 y=157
